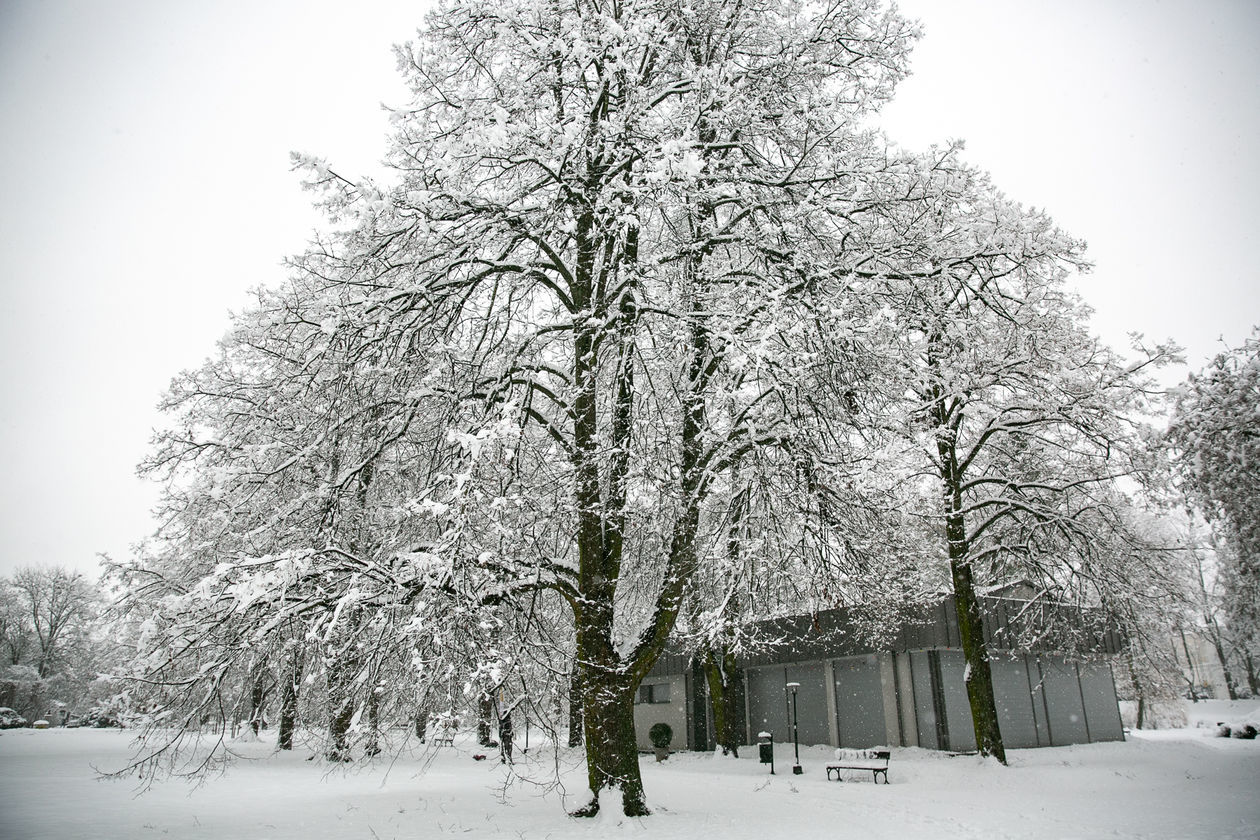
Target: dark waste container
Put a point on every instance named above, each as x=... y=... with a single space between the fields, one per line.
x=765 y=748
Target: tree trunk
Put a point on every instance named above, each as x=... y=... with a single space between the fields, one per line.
x=607 y=690
x=612 y=754
x=1190 y=674
x=289 y=704
x=1253 y=682
x=422 y=724
x=374 y=723
x=341 y=708
x=725 y=681
x=1230 y=687
x=484 y=711
x=1138 y=690
x=979 y=679
x=575 y=707
x=979 y=675
x=257 y=696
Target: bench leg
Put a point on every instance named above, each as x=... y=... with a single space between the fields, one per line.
x=875 y=774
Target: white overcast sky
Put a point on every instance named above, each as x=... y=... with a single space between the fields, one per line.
x=145 y=187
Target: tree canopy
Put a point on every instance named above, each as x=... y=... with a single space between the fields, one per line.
x=634 y=344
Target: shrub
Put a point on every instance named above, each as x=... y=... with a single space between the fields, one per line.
x=660 y=735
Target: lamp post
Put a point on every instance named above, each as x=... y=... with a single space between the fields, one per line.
x=796 y=742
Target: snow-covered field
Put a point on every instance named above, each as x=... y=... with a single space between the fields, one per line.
x=1167 y=784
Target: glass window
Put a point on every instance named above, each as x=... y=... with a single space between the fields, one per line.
x=653 y=693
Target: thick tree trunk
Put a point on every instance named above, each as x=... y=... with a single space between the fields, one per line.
x=607 y=689
x=339 y=730
x=612 y=755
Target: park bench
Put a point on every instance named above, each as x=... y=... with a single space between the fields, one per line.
x=874 y=760
x=444 y=733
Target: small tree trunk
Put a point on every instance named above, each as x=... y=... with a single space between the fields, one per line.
x=724 y=678
x=1253 y=682
x=422 y=724
x=979 y=674
x=257 y=694
x=506 y=736
x=575 y=707
x=374 y=723
x=290 y=678
x=1138 y=691
x=484 y=711
x=1185 y=646
x=1230 y=687
x=341 y=708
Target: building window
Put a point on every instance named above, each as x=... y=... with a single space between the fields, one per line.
x=657 y=693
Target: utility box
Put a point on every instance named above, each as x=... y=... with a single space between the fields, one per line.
x=765 y=748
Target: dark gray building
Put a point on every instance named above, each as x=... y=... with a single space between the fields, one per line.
x=906 y=691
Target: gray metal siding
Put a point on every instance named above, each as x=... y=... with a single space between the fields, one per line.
x=811 y=700
x=924 y=710
x=859 y=701
x=770 y=703
x=766 y=709
x=1063 y=702
x=1016 y=717
x=1102 y=712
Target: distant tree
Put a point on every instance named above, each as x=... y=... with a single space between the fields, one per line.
x=1214 y=437
x=46 y=619
x=59 y=604
x=15 y=625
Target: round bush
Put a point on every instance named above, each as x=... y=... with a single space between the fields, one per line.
x=660 y=735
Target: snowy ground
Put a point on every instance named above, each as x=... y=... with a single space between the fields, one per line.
x=1167 y=784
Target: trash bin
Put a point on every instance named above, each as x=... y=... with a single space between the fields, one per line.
x=765 y=748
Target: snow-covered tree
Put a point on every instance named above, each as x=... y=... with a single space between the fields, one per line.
x=531 y=363
x=48 y=653
x=1025 y=421
x=645 y=325
x=1215 y=441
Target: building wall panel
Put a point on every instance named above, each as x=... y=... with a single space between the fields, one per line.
x=647 y=715
x=1016 y=717
x=1102 y=712
x=1063 y=702
x=859 y=701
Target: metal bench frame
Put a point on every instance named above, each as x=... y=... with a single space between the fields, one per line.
x=861 y=760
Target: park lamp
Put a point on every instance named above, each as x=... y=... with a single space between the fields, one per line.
x=796 y=741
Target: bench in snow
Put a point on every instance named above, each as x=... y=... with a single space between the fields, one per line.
x=874 y=760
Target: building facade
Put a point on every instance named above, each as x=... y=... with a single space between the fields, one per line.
x=910 y=693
